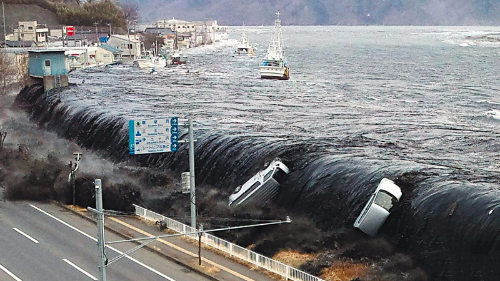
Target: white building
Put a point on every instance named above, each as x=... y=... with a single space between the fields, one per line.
x=201 y=32
x=177 y=25
x=129 y=45
x=107 y=54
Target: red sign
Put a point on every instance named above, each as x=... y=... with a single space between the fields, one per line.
x=70 y=30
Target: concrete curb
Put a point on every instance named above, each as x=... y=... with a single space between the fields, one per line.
x=149 y=248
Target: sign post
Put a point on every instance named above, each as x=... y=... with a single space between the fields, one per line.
x=162 y=135
x=191 y=174
x=153 y=135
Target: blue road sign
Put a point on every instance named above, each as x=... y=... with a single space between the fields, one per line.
x=153 y=135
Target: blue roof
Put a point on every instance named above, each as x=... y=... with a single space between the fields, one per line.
x=110 y=48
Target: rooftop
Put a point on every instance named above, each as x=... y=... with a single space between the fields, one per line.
x=110 y=48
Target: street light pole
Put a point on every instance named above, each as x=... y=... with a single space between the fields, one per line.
x=191 y=174
x=96 y=34
x=100 y=230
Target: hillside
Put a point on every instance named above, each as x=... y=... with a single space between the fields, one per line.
x=62 y=12
x=326 y=12
x=26 y=12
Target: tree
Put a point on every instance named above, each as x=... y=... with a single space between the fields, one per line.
x=8 y=71
x=130 y=13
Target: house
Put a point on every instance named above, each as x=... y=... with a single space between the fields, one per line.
x=27 y=31
x=48 y=67
x=108 y=54
x=47 y=62
x=42 y=33
x=130 y=45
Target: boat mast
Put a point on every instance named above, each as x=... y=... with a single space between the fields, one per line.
x=276 y=48
x=175 y=41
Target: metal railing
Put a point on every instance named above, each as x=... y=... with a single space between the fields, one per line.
x=234 y=250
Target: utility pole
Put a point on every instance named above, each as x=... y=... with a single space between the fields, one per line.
x=4 y=32
x=100 y=230
x=191 y=174
x=96 y=34
x=110 y=30
x=71 y=178
x=128 y=35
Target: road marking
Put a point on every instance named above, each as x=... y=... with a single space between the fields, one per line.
x=10 y=273
x=183 y=250
x=109 y=247
x=26 y=235
x=79 y=269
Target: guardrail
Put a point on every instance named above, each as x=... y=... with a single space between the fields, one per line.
x=234 y=250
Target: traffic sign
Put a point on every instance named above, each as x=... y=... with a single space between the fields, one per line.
x=153 y=135
x=70 y=30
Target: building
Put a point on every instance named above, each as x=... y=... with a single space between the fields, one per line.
x=42 y=33
x=107 y=54
x=47 y=62
x=201 y=32
x=48 y=67
x=130 y=45
x=29 y=31
x=177 y=25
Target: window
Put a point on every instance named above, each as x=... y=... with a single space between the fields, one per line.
x=30 y=27
x=130 y=46
x=254 y=185
x=268 y=175
x=385 y=200
x=47 y=63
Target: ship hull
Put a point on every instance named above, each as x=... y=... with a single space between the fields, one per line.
x=142 y=63
x=273 y=72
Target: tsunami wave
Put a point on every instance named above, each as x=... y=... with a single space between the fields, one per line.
x=448 y=221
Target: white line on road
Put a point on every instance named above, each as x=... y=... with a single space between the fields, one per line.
x=26 y=235
x=10 y=273
x=79 y=269
x=89 y=236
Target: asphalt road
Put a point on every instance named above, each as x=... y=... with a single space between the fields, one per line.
x=45 y=242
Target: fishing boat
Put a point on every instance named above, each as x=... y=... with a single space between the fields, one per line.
x=175 y=55
x=176 y=58
x=244 y=47
x=275 y=65
x=151 y=59
x=142 y=63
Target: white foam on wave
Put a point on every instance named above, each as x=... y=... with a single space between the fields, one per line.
x=494 y=114
x=211 y=48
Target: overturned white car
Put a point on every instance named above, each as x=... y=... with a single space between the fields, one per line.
x=378 y=207
x=262 y=187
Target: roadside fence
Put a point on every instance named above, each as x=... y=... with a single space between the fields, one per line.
x=233 y=250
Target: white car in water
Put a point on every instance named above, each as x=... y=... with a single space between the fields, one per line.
x=378 y=208
x=262 y=187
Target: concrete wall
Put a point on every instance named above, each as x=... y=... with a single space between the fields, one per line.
x=55 y=81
